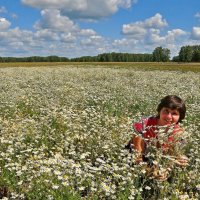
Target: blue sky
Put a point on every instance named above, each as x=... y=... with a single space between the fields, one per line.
x=74 y=28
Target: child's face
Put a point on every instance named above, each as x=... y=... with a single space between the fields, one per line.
x=168 y=116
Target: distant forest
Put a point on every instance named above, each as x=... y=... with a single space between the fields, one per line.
x=186 y=54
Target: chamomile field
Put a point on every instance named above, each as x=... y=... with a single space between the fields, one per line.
x=63 y=130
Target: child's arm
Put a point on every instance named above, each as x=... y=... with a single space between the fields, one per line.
x=138 y=144
x=137 y=140
x=182 y=161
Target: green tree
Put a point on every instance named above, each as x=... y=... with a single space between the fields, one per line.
x=186 y=54
x=161 y=54
x=196 y=53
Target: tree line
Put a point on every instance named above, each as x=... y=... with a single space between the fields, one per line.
x=35 y=59
x=115 y=57
x=160 y=54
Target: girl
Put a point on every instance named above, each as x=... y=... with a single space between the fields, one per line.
x=171 y=111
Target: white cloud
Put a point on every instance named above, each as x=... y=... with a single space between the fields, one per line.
x=87 y=32
x=45 y=34
x=150 y=33
x=128 y=45
x=195 y=35
x=121 y=42
x=155 y=22
x=125 y=45
x=4 y=24
x=135 y=30
x=57 y=4
x=140 y=29
x=94 y=40
x=52 y=33
x=44 y=42
x=68 y=38
x=85 y=9
x=14 y=35
x=174 y=34
x=154 y=38
x=52 y=19
x=16 y=42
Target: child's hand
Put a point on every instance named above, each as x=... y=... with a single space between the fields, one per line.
x=162 y=177
x=138 y=160
x=158 y=174
x=182 y=161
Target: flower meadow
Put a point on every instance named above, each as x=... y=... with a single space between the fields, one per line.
x=63 y=132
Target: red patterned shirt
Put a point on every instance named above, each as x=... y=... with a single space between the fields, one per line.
x=148 y=127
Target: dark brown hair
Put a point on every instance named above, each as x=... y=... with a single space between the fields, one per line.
x=173 y=102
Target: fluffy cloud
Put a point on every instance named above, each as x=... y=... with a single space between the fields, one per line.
x=150 y=33
x=195 y=35
x=67 y=38
x=14 y=35
x=140 y=29
x=45 y=34
x=57 y=4
x=155 y=22
x=94 y=40
x=153 y=38
x=16 y=42
x=53 y=32
x=87 y=32
x=175 y=34
x=52 y=19
x=134 y=30
x=144 y=36
x=88 y=9
x=4 y=24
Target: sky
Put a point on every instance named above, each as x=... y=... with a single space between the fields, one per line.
x=75 y=28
